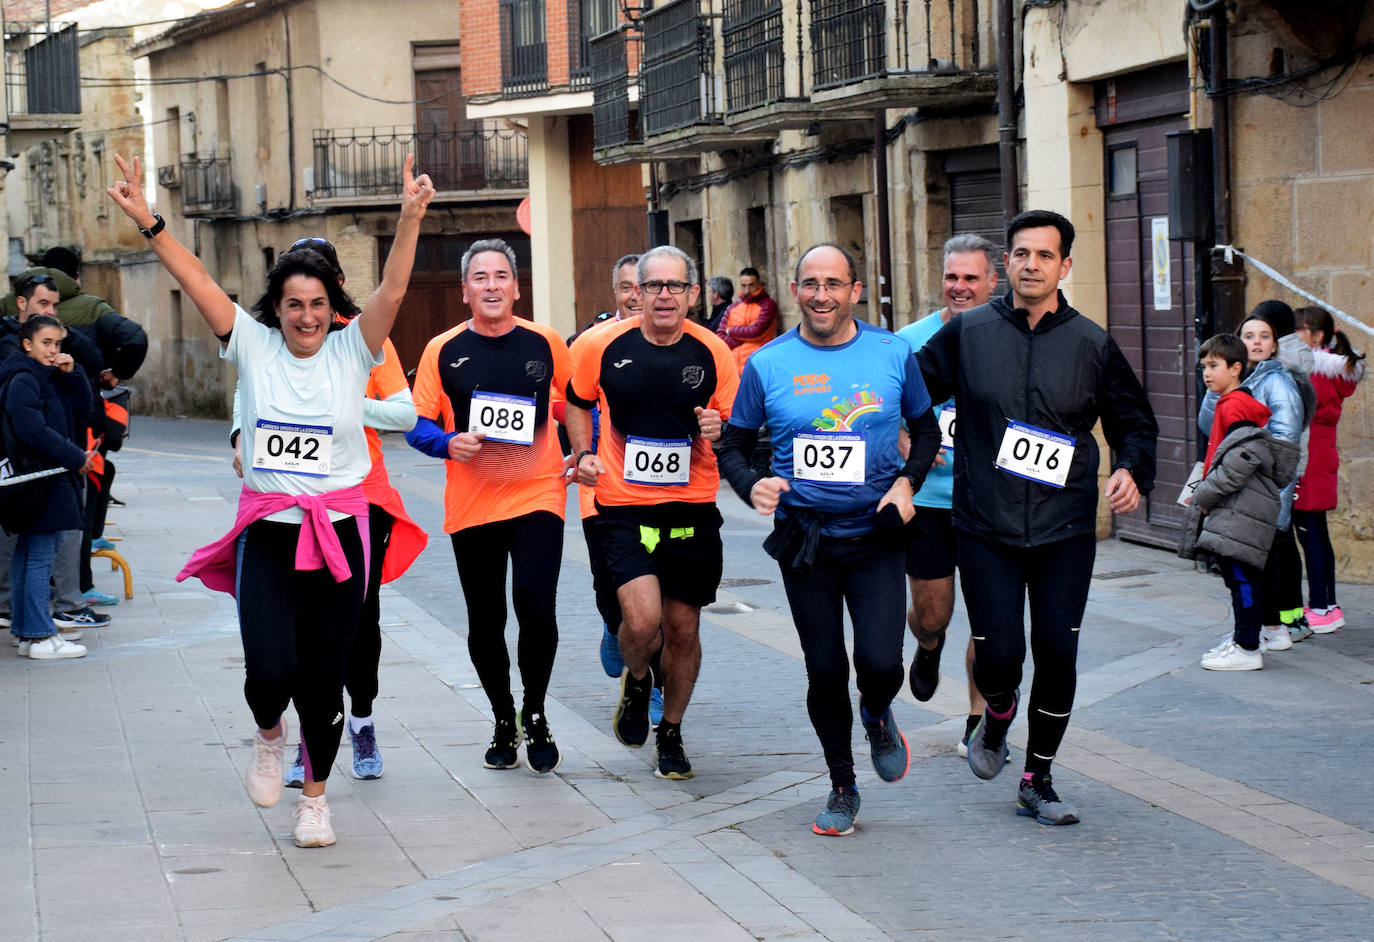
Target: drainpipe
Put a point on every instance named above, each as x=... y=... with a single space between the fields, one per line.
x=1006 y=111
x=1228 y=281
x=290 y=113
x=880 y=200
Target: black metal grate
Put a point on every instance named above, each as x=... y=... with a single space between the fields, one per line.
x=611 y=90
x=678 y=70
x=586 y=20
x=355 y=162
x=848 y=40
x=207 y=185
x=524 y=49
x=753 y=53
x=42 y=69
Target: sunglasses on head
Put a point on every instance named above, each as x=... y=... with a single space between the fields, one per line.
x=321 y=246
x=28 y=282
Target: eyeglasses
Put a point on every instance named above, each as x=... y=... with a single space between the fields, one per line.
x=324 y=247
x=655 y=288
x=811 y=287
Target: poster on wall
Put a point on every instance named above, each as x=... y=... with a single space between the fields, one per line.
x=1159 y=241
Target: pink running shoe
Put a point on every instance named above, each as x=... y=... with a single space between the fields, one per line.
x=1323 y=623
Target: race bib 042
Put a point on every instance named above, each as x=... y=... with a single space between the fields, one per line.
x=292 y=449
x=660 y=461
x=1036 y=454
x=828 y=457
x=502 y=418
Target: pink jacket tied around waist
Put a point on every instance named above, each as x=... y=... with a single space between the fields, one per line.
x=318 y=546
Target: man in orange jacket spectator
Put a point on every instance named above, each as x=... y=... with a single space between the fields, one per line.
x=751 y=321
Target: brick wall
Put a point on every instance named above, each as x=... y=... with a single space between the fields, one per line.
x=481 y=46
x=556 y=36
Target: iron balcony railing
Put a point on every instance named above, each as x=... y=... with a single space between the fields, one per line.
x=611 y=90
x=207 y=185
x=678 y=72
x=852 y=40
x=753 y=53
x=360 y=162
x=524 y=50
x=42 y=68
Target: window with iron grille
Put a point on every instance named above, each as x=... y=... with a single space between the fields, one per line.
x=524 y=50
x=611 y=90
x=848 y=40
x=587 y=20
x=753 y=53
x=678 y=68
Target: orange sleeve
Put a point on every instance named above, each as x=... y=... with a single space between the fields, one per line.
x=727 y=379
x=387 y=378
x=586 y=364
x=562 y=370
x=430 y=401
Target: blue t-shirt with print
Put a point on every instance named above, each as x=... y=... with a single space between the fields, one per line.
x=836 y=397
x=938 y=490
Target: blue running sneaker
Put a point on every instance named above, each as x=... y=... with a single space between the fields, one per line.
x=611 y=661
x=100 y=543
x=295 y=776
x=655 y=707
x=891 y=758
x=95 y=597
x=367 y=761
x=837 y=820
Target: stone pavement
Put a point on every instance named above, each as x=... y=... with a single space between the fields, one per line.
x=1215 y=806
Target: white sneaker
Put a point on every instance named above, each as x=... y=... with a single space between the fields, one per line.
x=52 y=648
x=313 y=827
x=1232 y=658
x=1221 y=645
x=264 y=774
x=69 y=634
x=1275 y=639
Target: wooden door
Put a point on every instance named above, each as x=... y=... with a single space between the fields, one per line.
x=448 y=145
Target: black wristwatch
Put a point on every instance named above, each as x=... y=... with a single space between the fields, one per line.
x=581 y=455
x=158 y=225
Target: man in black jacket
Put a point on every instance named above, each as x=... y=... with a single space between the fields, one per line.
x=1032 y=376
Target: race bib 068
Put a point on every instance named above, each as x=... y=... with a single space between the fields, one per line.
x=830 y=457
x=661 y=461
x=292 y=449
x=502 y=418
x=1036 y=454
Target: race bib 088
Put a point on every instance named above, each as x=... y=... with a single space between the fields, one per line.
x=502 y=418
x=292 y=449
x=830 y=457
x=661 y=461
x=1036 y=454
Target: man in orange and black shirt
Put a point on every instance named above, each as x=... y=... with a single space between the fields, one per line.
x=664 y=385
x=482 y=393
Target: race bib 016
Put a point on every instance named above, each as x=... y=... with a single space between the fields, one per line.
x=1036 y=454
x=828 y=457
x=502 y=418
x=660 y=461
x=292 y=449
x=946 y=420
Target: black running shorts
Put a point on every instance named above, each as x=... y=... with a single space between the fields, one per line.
x=679 y=543
x=930 y=545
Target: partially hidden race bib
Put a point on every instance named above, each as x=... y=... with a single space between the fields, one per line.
x=292 y=449
x=502 y=418
x=660 y=461
x=1036 y=454
x=946 y=420
x=828 y=457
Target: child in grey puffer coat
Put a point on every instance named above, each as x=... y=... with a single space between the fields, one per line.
x=1240 y=494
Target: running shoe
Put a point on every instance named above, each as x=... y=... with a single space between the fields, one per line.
x=367 y=761
x=1323 y=623
x=504 y=752
x=4 y=619
x=841 y=808
x=1275 y=639
x=631 y=719
x=891 y=757
x=100 y=543
x=541 y=752
x=1232 y=657
x=295 y=776
x=313 y=825
x=80 y=618
x=611 y=661
x=52 y=648
x=264 y=773
x=925 y=670
x=655 y=707
x=1300 y=630
x=1037 y=798
x=96 y=597
x=987 y=747
x=670 y=758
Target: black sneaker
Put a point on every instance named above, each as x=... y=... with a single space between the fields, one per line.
x=80 y=618
x=631 y=720
x=925 y=670
x=505 y=746
x=541 y=752
x=1037 y=798
x=987 y=747
x=670 y=757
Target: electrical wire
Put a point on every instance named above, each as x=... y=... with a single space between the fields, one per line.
x=104 y=81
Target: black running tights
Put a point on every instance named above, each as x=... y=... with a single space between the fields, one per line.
x=367 y=647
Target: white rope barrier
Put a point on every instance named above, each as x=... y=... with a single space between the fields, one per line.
x=1231 y=251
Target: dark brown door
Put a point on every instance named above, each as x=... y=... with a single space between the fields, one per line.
x=608 y=220
x=449 y=147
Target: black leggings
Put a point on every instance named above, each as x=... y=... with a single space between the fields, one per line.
x=367 y=646
x=996 y=581
x=1320 y=557
x=607 y=601
x=869 y=576
x=534 y=545
x=297 y=628
x=1282 y=578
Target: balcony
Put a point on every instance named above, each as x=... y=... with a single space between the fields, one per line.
x=363 y=164
x=42 y=82
x=617 y=138
x=207 y=187
x=524 y=51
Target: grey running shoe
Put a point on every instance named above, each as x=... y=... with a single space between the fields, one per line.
x=631 y=720
x=837 y=820
x=1037 y=798
x=891 y=758
x=987 y=747
x=504 y=752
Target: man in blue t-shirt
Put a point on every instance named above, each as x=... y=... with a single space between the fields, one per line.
x=833 y=393
x=969 y=280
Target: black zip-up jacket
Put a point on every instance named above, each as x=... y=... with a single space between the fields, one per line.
x=1062 y=376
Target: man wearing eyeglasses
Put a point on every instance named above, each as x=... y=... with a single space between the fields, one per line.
x=664 y=385
x=834 y=392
